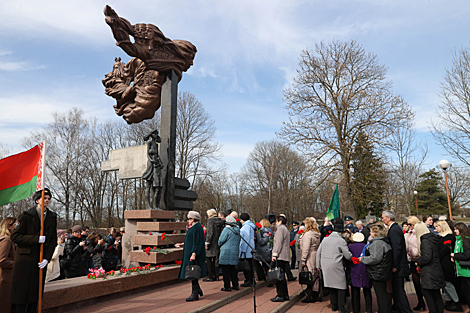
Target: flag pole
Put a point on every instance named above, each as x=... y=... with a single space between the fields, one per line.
x=41 y=245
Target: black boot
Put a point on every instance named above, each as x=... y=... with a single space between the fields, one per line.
x=454 y=307
x=419 y=295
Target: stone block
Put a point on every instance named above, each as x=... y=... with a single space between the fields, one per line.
x=157 y=258
x=161 y=226
x=130 y=162
x=149 y=214
x=155 y=240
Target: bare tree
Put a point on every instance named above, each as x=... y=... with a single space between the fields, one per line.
x=4 y=151
x=459 y=186
x=195 y=146
x=452 y=130
x=341 y=90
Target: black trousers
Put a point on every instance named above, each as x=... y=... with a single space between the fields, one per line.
x=229 y=273
x=434 y=300
x=26 y=308
x=281 y=286
x=261 y=269
x=294 y=257
x=195 y=286
x=213 y=271
x=400 y=300
x=287 y=270
x=356 y=299
x=338 y=297
x=313 y=295
x=383 y=300
x=249 y=274
x=465 y=288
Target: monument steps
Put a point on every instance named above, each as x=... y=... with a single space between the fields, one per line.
x=160 y=226
x=156 y=257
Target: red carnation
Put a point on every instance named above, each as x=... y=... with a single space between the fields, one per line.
x=300 y=232
x=329 y=232
x=404 y=231
x=258 y=225
x=238 y=220
x=293 y=242
x=355 y=260
x=447 y=242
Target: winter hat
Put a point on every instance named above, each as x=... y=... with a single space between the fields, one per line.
x=76 y=228
x=195 y=215
x=230 y=220
x=338 y=224
x=358 y=237
x=244 y=216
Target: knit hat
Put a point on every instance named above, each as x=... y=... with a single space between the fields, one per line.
x=338 y=224
x=358 y=237
x=230 y=220
x=244 y=216
x=76 y=228
x=195 y=215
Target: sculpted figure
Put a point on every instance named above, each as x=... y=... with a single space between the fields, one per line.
x=154 y=57
x=153 y=173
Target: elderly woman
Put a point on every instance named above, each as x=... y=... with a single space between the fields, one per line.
x=229 y=242
x=432 y=276
x=309 y=242
x=280 y=256
x=412 y=254
x=445 y=247
x=359 y=276
x=193 y=251
x=330 y=256
x=214 y=227
x=7 y=259
x=377 y=257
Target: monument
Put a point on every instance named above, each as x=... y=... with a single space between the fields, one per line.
x=147 y=82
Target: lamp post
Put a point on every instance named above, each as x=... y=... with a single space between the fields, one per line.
x=416 y=201
x=445 y=165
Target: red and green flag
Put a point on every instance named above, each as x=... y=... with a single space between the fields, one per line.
x=22 y=174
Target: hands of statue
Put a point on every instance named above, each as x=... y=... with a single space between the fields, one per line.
x=42 y=239
x=43 y=264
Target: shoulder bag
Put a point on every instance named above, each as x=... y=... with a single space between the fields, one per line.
x=275 y=274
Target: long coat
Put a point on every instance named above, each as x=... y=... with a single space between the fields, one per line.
x=229 y=243
x=7 y=257
x=397 y=241
x=448 y=267
x=358 y=271
x=25 y=280
x=330 y=256
x=214 y=228
x=248 y=233
x=309 y=243
x=53 y=268
x=281 y=243
x=432 y=276
x=194 y=242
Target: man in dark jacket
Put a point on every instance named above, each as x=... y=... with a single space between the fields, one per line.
x=293 y=232
x=363 y=230
x=400 y=267
x=214 y=228
x=75 y=264
x=24 y=292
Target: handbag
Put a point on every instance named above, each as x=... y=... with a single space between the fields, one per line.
x=305 y=276
x=192 y=272
x=243 y=264
x=275 y=274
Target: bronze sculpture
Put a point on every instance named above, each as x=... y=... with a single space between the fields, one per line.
x=153 y=173
x=137 y=85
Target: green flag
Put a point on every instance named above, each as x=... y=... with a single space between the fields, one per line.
x=333 y=209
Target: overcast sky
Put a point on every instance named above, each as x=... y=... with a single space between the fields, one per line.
x=53 y=55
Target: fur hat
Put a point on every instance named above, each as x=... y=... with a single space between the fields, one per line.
x=338 y=224
x=76 y=228
x=195 y=215
x=358 y=237
x=244 y=216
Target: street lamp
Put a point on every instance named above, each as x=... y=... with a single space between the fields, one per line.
x=416 y=200
x=445 y=165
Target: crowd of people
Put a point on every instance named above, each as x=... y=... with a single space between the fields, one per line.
x=67 y=254
x=340 y=258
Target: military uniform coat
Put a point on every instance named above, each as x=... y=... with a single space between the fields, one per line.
x=25 y=280
x=330 y=256
x=194 y=242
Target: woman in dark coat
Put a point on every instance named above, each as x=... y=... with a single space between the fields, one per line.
x=359 y=277
x=194 y=251
x=263 y=248
x=432 y=277
x=7 y=259
x=445 y=248
x=214 y=227
x=110 y=254
x=25 y=281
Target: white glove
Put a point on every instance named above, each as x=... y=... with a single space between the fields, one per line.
x=43 y=264
x=42 y=239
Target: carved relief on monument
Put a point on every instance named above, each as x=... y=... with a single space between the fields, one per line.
x=136 y=86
